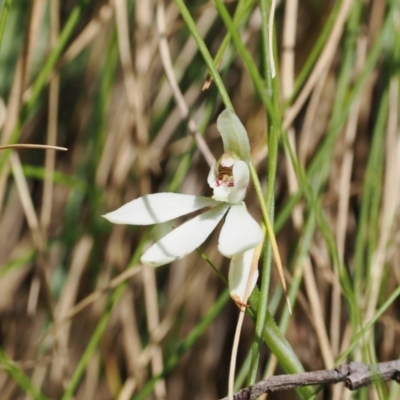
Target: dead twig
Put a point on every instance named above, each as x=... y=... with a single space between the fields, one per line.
x=354 y=375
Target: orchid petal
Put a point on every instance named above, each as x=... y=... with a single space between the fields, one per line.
x=241 y=178
x=156 y=208
x=184 y=239
x=239 y=233
x=212 y=176
x=239 y=272
x=222 y=193
x=234 y=135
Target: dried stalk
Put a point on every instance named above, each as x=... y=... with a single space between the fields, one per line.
x=354 y=375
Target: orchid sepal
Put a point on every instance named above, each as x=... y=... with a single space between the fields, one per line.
x=158 y=207
x=234 y=135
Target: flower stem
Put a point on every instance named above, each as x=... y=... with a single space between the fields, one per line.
x=270 y=230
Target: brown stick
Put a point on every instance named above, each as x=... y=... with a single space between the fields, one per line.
x=354 y=375
x=31 y=146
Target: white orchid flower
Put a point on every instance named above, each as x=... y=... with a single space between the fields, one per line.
x=229 y=178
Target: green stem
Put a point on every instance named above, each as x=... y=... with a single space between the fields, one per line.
x=273 y=139
x=205 y=53
x=3 y=18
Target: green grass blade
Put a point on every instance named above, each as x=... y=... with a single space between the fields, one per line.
x=186 y=344
x=315 y=52
x=19 y=377
x=242 y=12
x=44 y=74
x=205 y=53
x=3 y=18
x=356 y=339
x=366 y=239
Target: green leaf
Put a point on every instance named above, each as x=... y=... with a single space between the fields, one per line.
x=19 y=377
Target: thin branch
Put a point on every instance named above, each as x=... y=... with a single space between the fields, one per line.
x=179 y=98
x=32 y=146
x=354 y=375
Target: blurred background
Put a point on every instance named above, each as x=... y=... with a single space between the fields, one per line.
x=119 y=84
